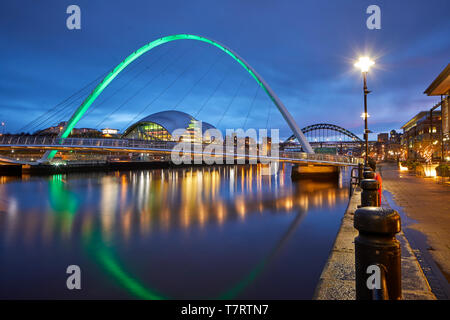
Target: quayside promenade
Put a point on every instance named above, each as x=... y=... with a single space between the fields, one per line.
x=425 y=205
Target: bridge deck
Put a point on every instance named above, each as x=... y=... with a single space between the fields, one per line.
x=135 y=146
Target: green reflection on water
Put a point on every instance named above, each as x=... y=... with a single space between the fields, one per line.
x=65 y=204
x=108 y=261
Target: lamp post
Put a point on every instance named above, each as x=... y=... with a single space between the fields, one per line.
x=364 y=63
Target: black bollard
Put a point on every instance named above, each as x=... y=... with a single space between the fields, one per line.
x=360 y=172
x=369 y=194
x=377 y=247
x=369 y=175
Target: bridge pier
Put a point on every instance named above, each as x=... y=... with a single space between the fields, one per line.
x=309 y=171
x=26 y=168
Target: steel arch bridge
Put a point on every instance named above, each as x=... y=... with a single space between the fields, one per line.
x=81 y=110
x=318 y=132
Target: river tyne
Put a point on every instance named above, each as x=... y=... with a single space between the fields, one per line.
x=211 y=232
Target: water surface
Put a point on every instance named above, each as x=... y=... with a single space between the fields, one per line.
x=205 y=232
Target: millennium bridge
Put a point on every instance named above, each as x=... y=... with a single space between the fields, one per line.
x=44 y=148
x=36 y=143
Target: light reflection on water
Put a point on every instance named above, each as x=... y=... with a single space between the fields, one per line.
x=206 y=232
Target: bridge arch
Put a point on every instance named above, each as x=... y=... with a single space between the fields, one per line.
x=149 y=46
x=328 y=126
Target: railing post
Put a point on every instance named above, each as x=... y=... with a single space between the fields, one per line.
x=377 y=253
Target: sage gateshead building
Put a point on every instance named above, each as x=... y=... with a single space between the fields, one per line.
x=161 y=125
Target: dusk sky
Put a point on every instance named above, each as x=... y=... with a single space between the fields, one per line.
x=305 y=50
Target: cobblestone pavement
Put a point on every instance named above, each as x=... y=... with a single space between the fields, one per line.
x=427 y=203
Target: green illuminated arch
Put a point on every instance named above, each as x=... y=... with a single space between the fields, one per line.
x=110 y=77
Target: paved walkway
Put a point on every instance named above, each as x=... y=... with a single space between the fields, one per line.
x=427 y=207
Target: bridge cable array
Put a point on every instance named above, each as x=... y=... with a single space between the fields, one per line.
x=268 y=115
x=162 y=92
x=197 y=82
x=212 y=93
x=35 y=123
x=251 y=106
x=134 y=94
x=231 y=102
x=65 y=109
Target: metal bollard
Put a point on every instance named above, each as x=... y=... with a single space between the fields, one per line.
x=376 y=245
x=369 y=175
x=369 y=194
x=360 y=172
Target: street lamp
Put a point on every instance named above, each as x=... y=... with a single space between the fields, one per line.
x=364 y=63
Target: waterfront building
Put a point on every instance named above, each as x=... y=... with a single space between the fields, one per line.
x=421 y=134
x=110 y=133
x=54 y=130
x=161 y=125
x=394 y=150
x=383 y=137
x=387 y=147
x=76 y=132
x=441 y=87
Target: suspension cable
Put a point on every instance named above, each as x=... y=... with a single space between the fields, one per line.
x=133 y=95
x=268 y=116
x=69 y=104
x=197 y=82
x=32 y=122
x=161 y=93
x=231 y=102
x=47 y=121
x=146 y=68
x=251 y=106
x=212 y=93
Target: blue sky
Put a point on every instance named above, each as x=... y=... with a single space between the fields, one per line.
x=305 y=50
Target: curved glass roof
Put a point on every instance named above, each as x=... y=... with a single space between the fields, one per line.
x=170 y=120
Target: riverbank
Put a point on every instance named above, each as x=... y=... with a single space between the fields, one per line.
x=99 y=166
x=337 y=281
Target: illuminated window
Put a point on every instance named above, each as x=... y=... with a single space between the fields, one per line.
x=149 y=131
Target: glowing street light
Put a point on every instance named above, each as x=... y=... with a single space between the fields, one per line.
x=363 y=115
x=364 y=63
